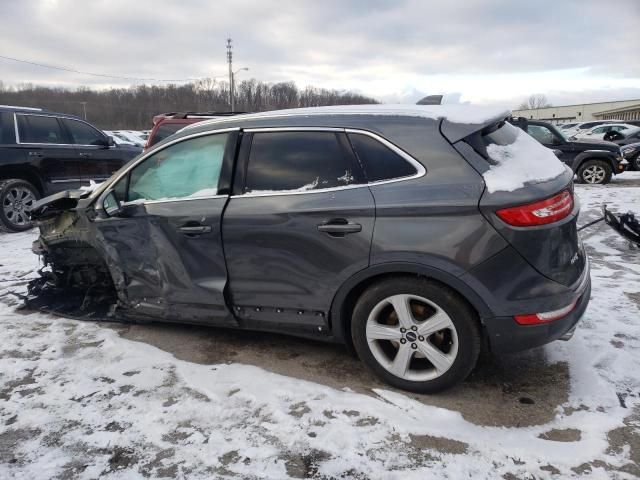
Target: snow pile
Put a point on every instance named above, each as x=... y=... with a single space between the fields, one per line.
x=525 y=160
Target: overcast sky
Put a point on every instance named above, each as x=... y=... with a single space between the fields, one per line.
x=478 y=51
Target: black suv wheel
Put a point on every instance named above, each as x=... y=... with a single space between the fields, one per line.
x=415 y=334
x=16 y=197
x=595 y=172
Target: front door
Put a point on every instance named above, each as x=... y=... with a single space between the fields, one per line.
x=48 y=148
x=299 y=224
x=97 y=161
x=168 y=243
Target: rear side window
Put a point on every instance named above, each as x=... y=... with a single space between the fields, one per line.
x=189 y=169
x=298 y=161
x=7 y=128
x=39 y=129
x=378 y=160
x=84 y=134
x=165 y=130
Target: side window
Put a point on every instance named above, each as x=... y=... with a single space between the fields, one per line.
x=379 y=161
x=540 y=133
x=600 y=130
x=298 y=161
x=189 y=169
x=83 y=134
x=39 y=129
x=7 y=128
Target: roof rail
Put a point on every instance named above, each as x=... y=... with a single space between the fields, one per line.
x=21 y=108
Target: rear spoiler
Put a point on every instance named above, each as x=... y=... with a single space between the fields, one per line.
x=455 y=131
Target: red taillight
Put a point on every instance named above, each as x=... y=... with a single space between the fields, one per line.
x=539 y=213
x=546 y=317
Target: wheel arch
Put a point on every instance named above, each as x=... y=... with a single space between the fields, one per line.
x=587 y=155
x=347 y=295
x=27 y=174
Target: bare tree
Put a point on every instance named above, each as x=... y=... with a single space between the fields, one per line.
x=134 y=107
x=537 y=100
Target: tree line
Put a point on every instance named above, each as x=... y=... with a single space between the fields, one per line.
x=135 y=106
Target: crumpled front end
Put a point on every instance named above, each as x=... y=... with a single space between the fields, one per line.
x=75 y=280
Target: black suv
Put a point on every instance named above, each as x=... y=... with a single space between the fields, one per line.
x=593 y=161
x=44 y=152
x=390 y=229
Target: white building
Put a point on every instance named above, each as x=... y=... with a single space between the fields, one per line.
x=621 y=110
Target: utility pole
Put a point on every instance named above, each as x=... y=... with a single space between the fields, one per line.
x=84 y=109
x=230 y=62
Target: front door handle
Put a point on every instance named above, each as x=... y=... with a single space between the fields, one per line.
x=339 y=227
x=193 y=230
x=85 y=154
x=35 y=154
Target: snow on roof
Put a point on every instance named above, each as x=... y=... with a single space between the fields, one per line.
x=466 y=114
x=523 y=161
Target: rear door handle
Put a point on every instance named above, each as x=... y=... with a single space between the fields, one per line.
x=84 y=154
x=193 y=230
x=336 y=228
x=35 y=154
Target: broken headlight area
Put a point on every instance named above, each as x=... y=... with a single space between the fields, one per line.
x=75 y=283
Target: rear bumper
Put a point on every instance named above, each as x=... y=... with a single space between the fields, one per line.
x=505 y=335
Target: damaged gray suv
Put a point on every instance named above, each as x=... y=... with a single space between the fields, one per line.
x=375 y=226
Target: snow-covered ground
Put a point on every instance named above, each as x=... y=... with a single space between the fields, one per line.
x=79 y=401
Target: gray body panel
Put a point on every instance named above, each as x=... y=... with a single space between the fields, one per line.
x=266 y=266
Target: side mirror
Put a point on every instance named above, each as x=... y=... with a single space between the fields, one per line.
x=110 y=141
x=111 y=205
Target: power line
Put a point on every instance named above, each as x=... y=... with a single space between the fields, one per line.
x=103 y=75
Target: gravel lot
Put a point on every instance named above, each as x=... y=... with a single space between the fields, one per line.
x=87 y=399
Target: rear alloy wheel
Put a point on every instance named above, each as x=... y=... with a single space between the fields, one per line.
x=636 y=163
x=595 y=172
x=16 y=198
x=416 y=334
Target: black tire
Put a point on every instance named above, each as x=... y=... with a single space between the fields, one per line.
x=595 y=172
x=635 y=163
x=462 y=316
x=10 y=220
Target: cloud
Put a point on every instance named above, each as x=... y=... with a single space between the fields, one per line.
x=382 y=48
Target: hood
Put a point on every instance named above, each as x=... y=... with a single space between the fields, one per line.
x=54 y=204
x=590 y=144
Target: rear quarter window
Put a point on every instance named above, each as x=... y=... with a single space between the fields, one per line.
x=379 y=161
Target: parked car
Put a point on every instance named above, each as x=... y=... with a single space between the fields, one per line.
x=592 y=161
x=584 y=126
x=166 y=124
x=629 y=136
x=600 y=132
x=365 y=225
x=120 y=139
x=566 y=126
x=45 y=152
x=631 y=153
x=130 y=136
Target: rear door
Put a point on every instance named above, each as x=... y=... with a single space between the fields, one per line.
x=97 y=161
x=299 y=224
x=49 y=149
x=168 y=241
